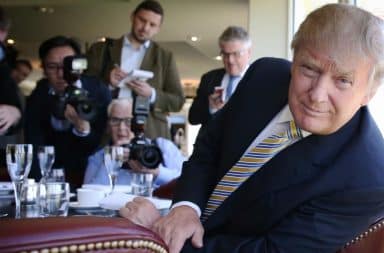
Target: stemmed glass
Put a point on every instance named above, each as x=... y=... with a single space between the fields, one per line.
x=113 y=160
x=19 y=159
x=46 y=156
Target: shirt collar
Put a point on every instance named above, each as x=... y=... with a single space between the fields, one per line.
x=241 y=74
x=127 y=42
x=286 y=115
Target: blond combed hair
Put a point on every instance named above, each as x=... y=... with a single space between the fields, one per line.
x=347 y=33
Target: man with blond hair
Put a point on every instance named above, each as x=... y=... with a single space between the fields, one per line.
x=299 y=165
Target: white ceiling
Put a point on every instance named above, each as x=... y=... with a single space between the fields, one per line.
x=88 y=20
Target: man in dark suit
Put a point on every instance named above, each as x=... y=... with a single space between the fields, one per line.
x=73 y=136
x=323 y=187
x=112 y=61
x=10 y=104
x=216 y=86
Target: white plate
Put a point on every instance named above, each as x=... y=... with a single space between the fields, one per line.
x=6 y=186
x=75 y=205
x=107 y=188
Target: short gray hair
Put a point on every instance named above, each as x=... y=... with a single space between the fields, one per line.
x=118 y=101
x=232 y=33
x=348 y=33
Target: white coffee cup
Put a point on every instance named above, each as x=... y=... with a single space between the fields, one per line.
x=89 y=197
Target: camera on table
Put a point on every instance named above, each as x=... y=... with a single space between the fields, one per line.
x=73 y=67
x=140 y=148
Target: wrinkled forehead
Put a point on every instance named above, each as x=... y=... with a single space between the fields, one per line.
x=341 y=59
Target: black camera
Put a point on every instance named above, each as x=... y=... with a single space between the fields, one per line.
x=140 y=148
x=73 y=67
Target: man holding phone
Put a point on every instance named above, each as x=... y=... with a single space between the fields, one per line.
x=216 y=86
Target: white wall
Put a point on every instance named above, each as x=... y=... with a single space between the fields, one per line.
x=268 y=27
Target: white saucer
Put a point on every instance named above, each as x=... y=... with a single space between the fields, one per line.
x=75 y=205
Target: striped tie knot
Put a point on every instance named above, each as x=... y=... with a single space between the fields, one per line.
x=248 y=164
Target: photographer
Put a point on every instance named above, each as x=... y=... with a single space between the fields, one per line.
x=119 y=130
x=53 y=120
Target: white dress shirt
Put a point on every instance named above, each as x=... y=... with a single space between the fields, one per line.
x=131 y=58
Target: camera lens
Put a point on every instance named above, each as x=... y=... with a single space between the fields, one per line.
x=151 y=157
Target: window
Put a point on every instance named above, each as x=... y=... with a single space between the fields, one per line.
x=377 y=103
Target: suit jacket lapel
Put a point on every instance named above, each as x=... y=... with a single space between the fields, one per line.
x=149 y=59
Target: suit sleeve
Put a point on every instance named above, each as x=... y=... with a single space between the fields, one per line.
x=102 y=97
x=8 y=93
x=199 y=111
x=170 y=98
x=199 y=169
x=323 y=225
x=95 y=61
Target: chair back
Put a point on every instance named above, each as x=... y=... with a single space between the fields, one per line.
x=370 y=241
x=77 y=234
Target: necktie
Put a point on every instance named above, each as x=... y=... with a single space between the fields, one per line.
x=228 y=90
x=248 y=164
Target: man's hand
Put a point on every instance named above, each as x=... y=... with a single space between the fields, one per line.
x=141 y=88
x=116 y=75
x=180 y=224
x=215 y=101
x=9 y=116
x=82 y=126
x=140 y=211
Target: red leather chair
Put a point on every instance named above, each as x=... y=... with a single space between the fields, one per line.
x=370 y=241
x=77 y=234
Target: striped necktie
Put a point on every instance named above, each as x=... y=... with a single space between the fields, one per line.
x=248 y=164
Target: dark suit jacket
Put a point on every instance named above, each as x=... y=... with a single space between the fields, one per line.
x=166 y=81
x=313 y=196
x=199 y=111
x=71 y=151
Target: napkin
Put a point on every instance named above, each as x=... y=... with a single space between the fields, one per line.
x=117 y=200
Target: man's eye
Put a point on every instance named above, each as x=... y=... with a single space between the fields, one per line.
x=344 y=82
x=308 y=71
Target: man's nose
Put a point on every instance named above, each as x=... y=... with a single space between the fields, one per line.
x=320 y=88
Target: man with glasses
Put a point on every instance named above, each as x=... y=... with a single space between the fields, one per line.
x=73 y=137
x=216 y=86
x=119 y=130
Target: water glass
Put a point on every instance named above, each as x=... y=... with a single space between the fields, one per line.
x=113 y=160
x=29 y=207
x=142 y=184
x=57 y=175
x=53 y=199
x=46 y=156
x=19 y=159
x=28 y=194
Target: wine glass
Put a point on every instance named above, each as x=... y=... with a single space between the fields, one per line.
x=46 y=156
x=113 y=159
x=19 y=159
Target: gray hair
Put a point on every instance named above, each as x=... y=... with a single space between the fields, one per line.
x=118 y=101
x=348 y=33
x=232 y=33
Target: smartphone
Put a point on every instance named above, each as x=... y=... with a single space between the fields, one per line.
x=220 y=91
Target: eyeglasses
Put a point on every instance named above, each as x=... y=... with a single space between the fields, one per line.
x=53 y=67
x=236 y=54
x=115 y=121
